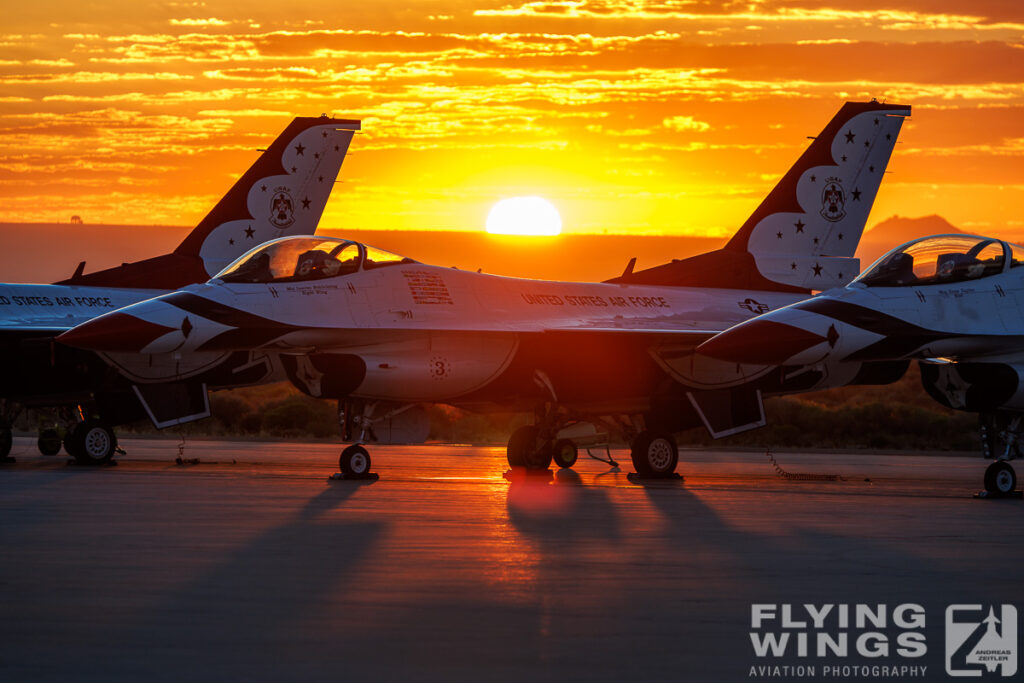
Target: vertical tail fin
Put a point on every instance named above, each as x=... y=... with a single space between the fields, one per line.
x=283 y=193
x=816 y=215
x=804 y=234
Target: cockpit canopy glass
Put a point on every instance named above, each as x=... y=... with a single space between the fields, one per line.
x=300 y=259
x=1016 y=254
x=935 y=261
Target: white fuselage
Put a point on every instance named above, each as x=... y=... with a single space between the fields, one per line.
x=427 y=333
x=60 y=307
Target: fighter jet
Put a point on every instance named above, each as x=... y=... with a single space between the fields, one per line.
x=382 y=333
x=954 y=303
x=283 y=193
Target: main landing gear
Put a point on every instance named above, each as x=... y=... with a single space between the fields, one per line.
x=9 y=412
x=91 y=442
x=49 y=441
x=6 y=441
x=527 y=449
x=1000 y=440
x=654 y=454
x=534 y=447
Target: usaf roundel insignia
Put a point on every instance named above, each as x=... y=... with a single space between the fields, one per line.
x=833 y=200
x=282 y=209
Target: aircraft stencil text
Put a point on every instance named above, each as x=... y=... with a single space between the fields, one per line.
x=598 y=301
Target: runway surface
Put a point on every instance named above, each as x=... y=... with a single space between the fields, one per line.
x=251 y=565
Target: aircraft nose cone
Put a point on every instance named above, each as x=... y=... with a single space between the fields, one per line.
x=114 y=332
x=760 y=342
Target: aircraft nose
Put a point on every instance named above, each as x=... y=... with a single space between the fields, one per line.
x=114 y=332
x=760 y=342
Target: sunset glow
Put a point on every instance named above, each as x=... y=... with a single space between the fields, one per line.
x=664 y=117
x=524 y=216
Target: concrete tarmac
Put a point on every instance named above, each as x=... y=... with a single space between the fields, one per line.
x=251 y=565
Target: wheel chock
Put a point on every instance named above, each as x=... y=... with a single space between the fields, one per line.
x=637 y=478
x=341 y=476
x=524 y=474
x=75 y=462
x=994 y=495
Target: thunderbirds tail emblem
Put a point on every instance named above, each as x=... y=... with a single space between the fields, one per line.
x=833 y=201
x=281 y=209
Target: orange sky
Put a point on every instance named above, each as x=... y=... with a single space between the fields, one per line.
x=672 y=116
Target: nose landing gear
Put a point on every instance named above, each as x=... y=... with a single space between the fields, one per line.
x=1000 y=479
x=1000 y=439
x=354 y=461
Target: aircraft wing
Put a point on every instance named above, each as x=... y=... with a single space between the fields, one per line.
x=41 y=326
x=49 y=310
x=678 y=330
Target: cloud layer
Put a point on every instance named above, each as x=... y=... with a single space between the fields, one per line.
x=667 y=117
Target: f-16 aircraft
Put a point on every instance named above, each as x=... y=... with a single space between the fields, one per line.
x=382 y=333
x=954 y=303
x=283 y=193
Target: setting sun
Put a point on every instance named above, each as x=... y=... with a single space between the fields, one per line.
x=524 y=216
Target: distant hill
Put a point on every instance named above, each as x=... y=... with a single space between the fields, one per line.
x=894 y=231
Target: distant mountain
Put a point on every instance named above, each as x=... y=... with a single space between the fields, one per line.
x=894 y=231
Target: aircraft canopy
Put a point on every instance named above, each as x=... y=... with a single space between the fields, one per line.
x=301 y=259
x=940 y=260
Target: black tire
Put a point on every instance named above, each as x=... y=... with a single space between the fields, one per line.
x=1000 y=478
x=654 y=454
x=91 y=442
x=6 y=442
x=524 y=451
x=49 y=442
x=69 y=443
x=354 y=461
x=564 y=453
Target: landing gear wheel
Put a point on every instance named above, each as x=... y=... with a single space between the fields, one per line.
x=354 y=462
x=6 y=441
x=1000 y=478
x=49 y=442
x=91 y=442
x=524 y=451
x=654 y=454
x=564 y=453
x=70 y=446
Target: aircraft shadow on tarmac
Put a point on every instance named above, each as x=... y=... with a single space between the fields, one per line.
x=268 y=591
x=560 y=510
x=697 y=573
x=595 y=582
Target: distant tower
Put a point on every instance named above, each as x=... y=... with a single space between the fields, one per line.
x=76 y=220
